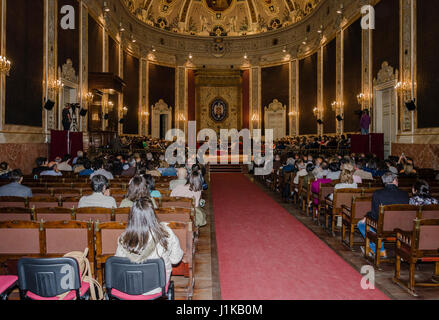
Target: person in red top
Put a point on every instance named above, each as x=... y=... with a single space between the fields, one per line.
x=365 y=122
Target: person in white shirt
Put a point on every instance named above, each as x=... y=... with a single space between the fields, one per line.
x=99 y=170
x=64 y=165
x=302 y=171
x=346 y=179
x=145 y=238
x=181 y=181
x=101 y=195
x=79 y=154
x=334 y=171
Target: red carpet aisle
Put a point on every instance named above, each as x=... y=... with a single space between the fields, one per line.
x=264 y=253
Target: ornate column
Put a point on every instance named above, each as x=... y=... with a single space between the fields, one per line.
x=320 y=90
x=83 y=67
x=255 y=93
x=50 y=65
x=181 y=106
x=408 y=60
x=340 y=107
x=367 y=88
x=294 y=94
x=3 y=53
x=143 y=113
x=121 y=75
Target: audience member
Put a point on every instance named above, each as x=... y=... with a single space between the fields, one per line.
x=99 y=170
x=421 y=194
x=145 y=238
x=101 y=194
x=15 y=189
x=387 y=196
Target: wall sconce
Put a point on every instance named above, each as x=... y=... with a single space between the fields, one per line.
x=5 y=65
x=121 y=28
x=318 y=113
x=181 y=117
x=336 y=105
x=362 y=98
x=145 y=114
x=89 y=97
x=105 y=8
x=255 y=117
x=125 y=110
x=403 y=87
x=293 y=113
x=110 y=105
x=57 y=85
x=341 y=10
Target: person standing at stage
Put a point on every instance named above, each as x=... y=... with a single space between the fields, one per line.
x=365 y=122
x=66 y=117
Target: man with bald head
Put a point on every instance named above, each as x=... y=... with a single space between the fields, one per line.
x=182 y=179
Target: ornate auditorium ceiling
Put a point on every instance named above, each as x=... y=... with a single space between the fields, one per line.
x=220 y=17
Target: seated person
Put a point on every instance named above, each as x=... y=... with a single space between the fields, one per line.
x=346 y=180
x=15 y=189
x=137 y=189
x=99 y=170
x=421 y=194
x=152 y=170
x=52 y=171
x=334 y=171
x=130 y=169
x=79 y=154
x=387 y=196
x=192 y=189
x=101 y=195
x=4 y=170
x=310 y=176
x=64 y=164
x=408 y=171
x=182 y=179
x=289 y=167
x=42 y=165
x=364 y=175
x=150 y=184
x=79 y=165
x=88 y=171
x=145 y=238
x=301 y=171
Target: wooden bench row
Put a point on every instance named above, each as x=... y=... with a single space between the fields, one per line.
x=56 y=238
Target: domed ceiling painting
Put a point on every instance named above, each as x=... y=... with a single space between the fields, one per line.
x=220 y=17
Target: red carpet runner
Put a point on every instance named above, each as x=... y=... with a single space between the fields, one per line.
x=266 y=254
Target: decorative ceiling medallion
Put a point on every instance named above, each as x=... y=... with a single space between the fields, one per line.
x=219 y=5
x=218 y=110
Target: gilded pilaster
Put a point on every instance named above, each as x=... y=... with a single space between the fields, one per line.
x=340 y=107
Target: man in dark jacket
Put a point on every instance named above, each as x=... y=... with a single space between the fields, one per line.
x=387 y=196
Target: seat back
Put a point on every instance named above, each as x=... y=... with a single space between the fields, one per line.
x=429 y=212
x=94 y=214
x=16 y=214
x=47 y=277
x=175 y=202
x=62 y=237
x=135 y=279
x=173 y=214
x=121 y=214
x=184 y=233
x=70 y=202
x=54 y=214
x=18 y=238
x=44 y=202
x=428 y=235
x=13 y=202
x=397 y=217
x=360 y=207
x=344 y=197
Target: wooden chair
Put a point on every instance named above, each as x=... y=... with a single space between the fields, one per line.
x=61 y=237
x=70 y=202
x=419 y=245
x=334 y=208
x=66 y=192
x=16 y=214
x=352 y=215
x=20 y=238
x=306 y=196
x=174 y=215
x=390 y=218
x=42 y=192
x=94 y=214
x=55 y=214
x=14 y=202
x=175 y=202
x=325 y=189
x=44 y=202
x=108 y=233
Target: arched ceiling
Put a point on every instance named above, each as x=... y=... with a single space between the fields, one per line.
x=220 y=17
